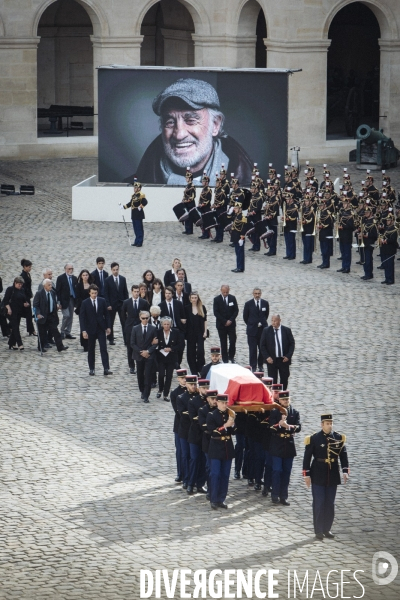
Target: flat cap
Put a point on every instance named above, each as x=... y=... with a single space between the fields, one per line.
x=195 y=92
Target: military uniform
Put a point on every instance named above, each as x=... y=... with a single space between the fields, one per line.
x=254 y=215
x=136 y=204
x=345 y=230
x=325 y=226
x=370 y=235
x=178 y=391
x=308 y=219
x=206 y=435
x=238 y=232
x=189 y=196
x=290 y=229
x=271 y=214
x=197 y=463
x=220 y=206
x=204 y=204
x=388 y=251
x=182 y=406
x=325 y=450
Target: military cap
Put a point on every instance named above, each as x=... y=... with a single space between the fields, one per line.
x=215 y=350
x=211 y=393
x=284 y=394
x=276 y=387
x=259 y=374
x=191 y=378
x=203 y=383
x=181 y=372
x=223 y=397
x=327 y=417
x=268 y=381
x=196 y=93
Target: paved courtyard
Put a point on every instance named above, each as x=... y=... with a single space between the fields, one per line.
x=87 y=494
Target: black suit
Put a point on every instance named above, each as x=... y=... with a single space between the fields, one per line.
x=131 y=318
x=226 y=309
x=100 y=284
x=66 y=297
x=115 y=297
x=145 y=366
x=255 y=321
x=27 y=287
x=166 y=364
x=95 y=324
x=268 y=349
x=48 y=324
x=179 y=314
x=170 y=279
x=185 y=298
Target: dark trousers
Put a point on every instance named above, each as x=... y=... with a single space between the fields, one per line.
x=256 y=461
x=182 y=348
x=144 y=370
x=325 y=252
x=267 y=470
x=239 y=250
x=137 y=225
x=290 y=241
x=273 y=239
x=239 y=451
x=188 y=226
x=368 y=261
x=101 y=336
x=195 y=354
x=15 y=337
x=208 y=471
x=185 y=457
x=346 y=255
x=323 y=507
x=225 y=334
x=219 y=479
x=255 y=356
x=197 y=466
x=178 y=456
x=388 y=265
x=281 y=470
x=165 y=372
x=29 y=319
x=113 y=313
x=5 y=330
x=49 y=330
x=308 y=248
x=219 y=233
x=255 y=239
x=278 y=366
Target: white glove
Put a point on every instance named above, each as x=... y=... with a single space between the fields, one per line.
x=121 y=206
x=230 y=211
x=139 y=208
x=241 y=242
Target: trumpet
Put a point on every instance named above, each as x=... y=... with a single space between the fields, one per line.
x=301 y=219
x=362 y=245
x=337 y=226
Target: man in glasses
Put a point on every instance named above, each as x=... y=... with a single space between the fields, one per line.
x=144 y=343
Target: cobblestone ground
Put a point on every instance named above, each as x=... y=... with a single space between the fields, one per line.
x=87 y=495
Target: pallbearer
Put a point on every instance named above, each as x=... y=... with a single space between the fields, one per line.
x=180 y=389
x=197 y=462
x=221 y=426
x=203 y=412
x=325 y=449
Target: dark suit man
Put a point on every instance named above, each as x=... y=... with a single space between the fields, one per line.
x=169 y=343
x=95 y=325
x=277 y=347
x=130 y=311
x=115 y=292
x=65 y=289
x=255 y=315
x=100 y=275
x=225 y=311
x=175 y=309
x=144 y=345
x=45 y=305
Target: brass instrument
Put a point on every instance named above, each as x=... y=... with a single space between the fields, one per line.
x=337 y=225
x=284 y=215
x=301 y=219
x=362 y=245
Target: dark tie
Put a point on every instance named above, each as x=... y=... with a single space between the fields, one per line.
x=71 y=289
x=48 y=301
x=101 y=279
x=116 y=281
x=94 y=305
x=170 y=310
x=144 y=332
x=135 y=306
x=258 y=307
x=279 y=346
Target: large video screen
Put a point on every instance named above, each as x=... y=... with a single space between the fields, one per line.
x=156 y=122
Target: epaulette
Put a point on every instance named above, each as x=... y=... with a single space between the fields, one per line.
x=142 y=195
x=307 y=439
x=244 y=219
x=343 y=437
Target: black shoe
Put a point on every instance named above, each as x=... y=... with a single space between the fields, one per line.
x=222 y=505
x=91 y=372
x=153 y=385
x=133 y=244
x=367 y=278
x=70 y=337
x=200 y=490
x=146 y=400
x=218 y=241
x=236 y=475
x=346 y=270
x=380 y=267
x=340 y=258
x=257 y=487
x=132 y=371
x=166 y=399
x=233 y=361
x=184 y=486
x=275 y=500
x=329 y=535
x=359 y=262
x=43 y=350
x=284 y=502
x=250 y=482
x=107 y=372
x=158 y=395
x=339 y=270
x=47 y=346
x=384 y=282
x=112 y=343
x=189 y=489
x=232 y=245
x=291 y=258
x=63 y=348
x=237 y=270
x=269 y=254
x=213 y=505
x=319 y=536
x=390 y=283
x=178 y=480
x=265 y=492
x=141 y=396
x=285 y=257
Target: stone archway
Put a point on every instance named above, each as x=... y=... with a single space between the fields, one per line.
x=251 y=35
x=167 y=28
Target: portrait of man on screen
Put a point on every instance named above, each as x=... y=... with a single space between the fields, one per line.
x=192 y=136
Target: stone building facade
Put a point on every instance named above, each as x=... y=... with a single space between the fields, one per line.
x=50 y=50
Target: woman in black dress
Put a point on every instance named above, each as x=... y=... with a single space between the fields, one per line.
x=81 y=293
x=196 y=333
x=26 y=276
x=157 y=293
x=16 y=303
x=148 y=279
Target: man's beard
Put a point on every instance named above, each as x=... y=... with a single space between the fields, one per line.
x=200 y=150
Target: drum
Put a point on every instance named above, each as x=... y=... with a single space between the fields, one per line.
x=180 y=212
x=223 y=219
x=247 y=199
x=209 y=220
x=195 y=215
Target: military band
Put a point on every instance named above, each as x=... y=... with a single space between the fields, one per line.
x=137 y=203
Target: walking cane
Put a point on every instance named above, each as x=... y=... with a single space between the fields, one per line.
x=126 y=227
x=37 y=327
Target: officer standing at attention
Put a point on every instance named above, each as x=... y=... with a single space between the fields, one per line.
x=238 y=232
x=137 y=203
x=221 y=426
x=189 y=195
x=325 y=448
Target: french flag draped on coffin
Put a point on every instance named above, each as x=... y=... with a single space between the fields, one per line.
x=241 y=385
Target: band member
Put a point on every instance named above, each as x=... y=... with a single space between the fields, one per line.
x=308 y=222
x=325 y=227
x=221 y=426
x=256 y=455
x=271 y=215
x=325 y=449
x=137 y=204
x=254 y=213
x=182 y=406
x=237 y=194
x=345 y=228
x=289 y=219
x=238 y=233
x=368 y=235
x=189 y=195
x=388 y=245
x=282 y=447
x=202 y=414
x=178 y=391
x=220 y=206
x=215 y=360
x=197 y=461
x=204 y=204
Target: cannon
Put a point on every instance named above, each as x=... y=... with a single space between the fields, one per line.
x=373 y=147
